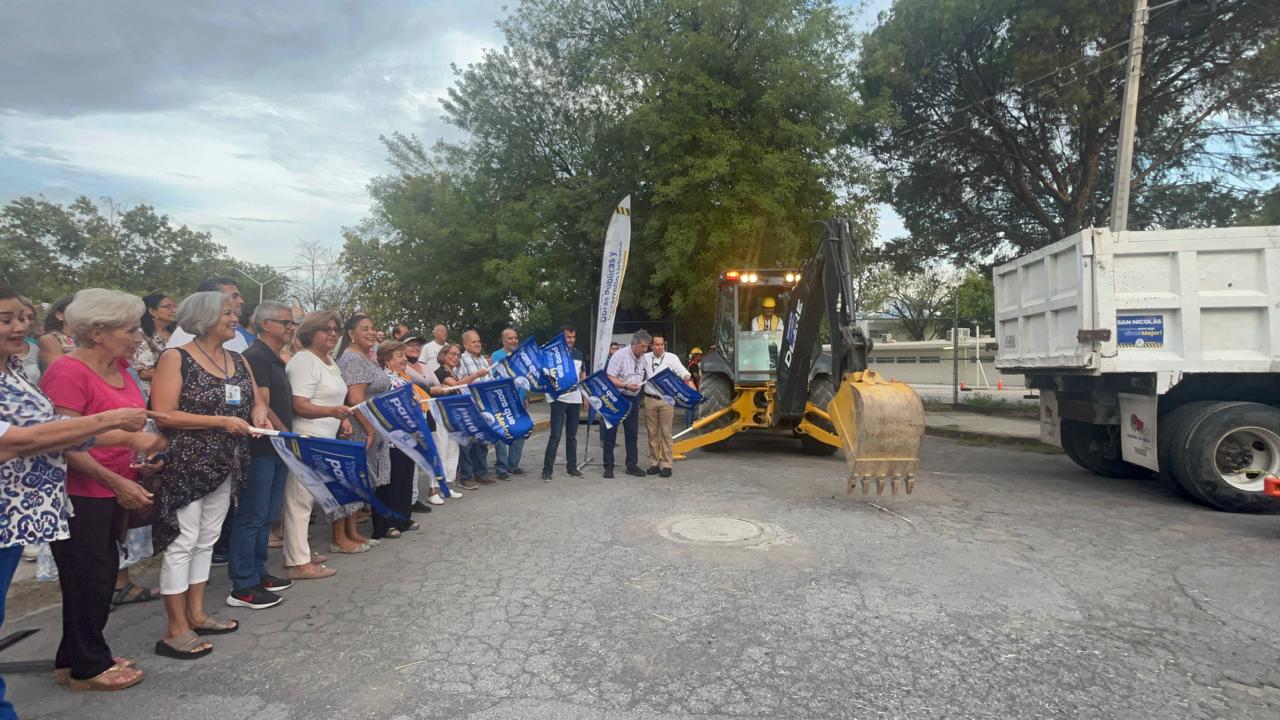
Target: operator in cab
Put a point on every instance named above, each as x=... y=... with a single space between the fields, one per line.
x=768 y=318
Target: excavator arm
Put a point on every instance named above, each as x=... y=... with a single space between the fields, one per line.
x=879 y=424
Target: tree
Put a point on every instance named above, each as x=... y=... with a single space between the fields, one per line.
x=920 y=301
x=50 y=250
x=977 y=297
x=1001 y=116
x=318 y=280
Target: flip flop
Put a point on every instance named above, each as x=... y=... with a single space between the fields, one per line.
x=211 y=626
x=122 y=597
x=62 y=676
x=101 y=682
x=183 y=647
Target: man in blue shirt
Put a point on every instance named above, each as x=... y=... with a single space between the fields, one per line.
x=507 y=457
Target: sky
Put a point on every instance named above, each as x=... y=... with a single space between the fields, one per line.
x=257 y=122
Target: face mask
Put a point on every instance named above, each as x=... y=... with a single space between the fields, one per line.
x=413 y=359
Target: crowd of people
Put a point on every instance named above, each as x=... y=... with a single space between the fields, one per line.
x=128 y=427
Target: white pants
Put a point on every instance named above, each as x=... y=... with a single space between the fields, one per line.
x=295 y=519
x=188 y=558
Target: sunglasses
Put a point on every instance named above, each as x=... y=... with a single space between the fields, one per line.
x=330 y=330
x=286 y=323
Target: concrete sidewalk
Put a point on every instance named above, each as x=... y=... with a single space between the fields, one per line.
x=978 y=426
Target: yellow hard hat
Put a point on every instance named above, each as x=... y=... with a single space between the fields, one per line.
x=770 y=303
x=696 y=351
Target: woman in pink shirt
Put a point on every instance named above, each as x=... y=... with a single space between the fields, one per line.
x=101 y=481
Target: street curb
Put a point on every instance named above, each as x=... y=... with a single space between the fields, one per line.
x=1032 y=444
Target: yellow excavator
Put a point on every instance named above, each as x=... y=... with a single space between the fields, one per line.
x=766 y=375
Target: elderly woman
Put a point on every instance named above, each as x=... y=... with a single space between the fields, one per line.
x=34 y=507
x=364 y=379
x=450 y=359
x=397 y=495
x=157 y=326
x=318 y=394
x=93 y=378
x=208 y=393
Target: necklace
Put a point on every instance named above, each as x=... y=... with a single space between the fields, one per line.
x=222 y=366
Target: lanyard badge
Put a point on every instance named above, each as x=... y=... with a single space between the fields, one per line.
x=232 y=394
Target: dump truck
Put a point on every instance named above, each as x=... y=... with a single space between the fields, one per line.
x=777 y=376
x=1154 y=353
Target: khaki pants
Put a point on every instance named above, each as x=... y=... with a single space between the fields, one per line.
x=295 y=517
x=658 y=416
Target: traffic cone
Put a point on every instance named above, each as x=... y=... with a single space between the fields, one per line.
x=999 y=384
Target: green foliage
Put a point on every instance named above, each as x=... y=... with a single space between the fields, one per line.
x=985 y=155
x=50 y=250
x=725 y=120
x=977 y=296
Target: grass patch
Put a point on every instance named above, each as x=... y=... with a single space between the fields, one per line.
x=991 y=406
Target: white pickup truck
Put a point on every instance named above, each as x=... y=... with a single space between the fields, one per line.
x=1154 y=352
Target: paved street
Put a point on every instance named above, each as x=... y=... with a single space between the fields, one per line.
x=1011 y=585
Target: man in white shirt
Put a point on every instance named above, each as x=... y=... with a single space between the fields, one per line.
x=474 y=461
x=658 y=415
x=564 y=417
x=227 y=286
x=431 y=351
x=626 y=372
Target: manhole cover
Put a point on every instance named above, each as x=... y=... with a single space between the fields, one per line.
x=717 y=531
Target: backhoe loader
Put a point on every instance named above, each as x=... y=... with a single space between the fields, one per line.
x=768 y=376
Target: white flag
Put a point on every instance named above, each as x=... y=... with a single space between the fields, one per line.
x=617 y=243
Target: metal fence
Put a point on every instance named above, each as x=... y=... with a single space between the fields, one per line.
x=940 y=370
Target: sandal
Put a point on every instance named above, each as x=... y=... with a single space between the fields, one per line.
x=183 y=647
x=116 y=677
x=122 y=596
x=335 y=548
x=211 y=626
x=413 y=525
x=392 y=534
x=62 y=676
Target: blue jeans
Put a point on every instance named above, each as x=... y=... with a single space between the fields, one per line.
x=9 y=558
x=259 y=504
x=564 y=419
x=507 y=457
x=630 y=436
x=473 y=461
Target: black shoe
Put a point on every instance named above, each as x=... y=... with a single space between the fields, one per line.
x=271 y=583
x=518 y=471
x=546 y=477
x=666 y=472
x=420 y=507
x=574 y=472
x=653 y=470
x=635 y=472
x=219 y=559
x=608 y=473
x=255 y=597
x=504 y=476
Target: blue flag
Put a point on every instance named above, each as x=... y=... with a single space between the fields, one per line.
x=674 y=390
x=335 y=472
x=464 y=419
x=525 y=365
x=499 y=400
x=398 y=416
x=605 y=398
x=558 y=369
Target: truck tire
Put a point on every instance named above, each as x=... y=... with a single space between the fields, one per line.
x=717 y=393
x=1096 y=448
x=821 y=392
x=1224 y=452
x=1173 y=426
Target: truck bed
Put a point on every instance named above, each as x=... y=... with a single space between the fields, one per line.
x=1192 y=301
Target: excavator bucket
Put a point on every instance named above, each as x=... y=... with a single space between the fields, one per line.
x=881 y=425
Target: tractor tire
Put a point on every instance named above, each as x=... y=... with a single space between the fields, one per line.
x=821 y=392
x=717 y=393
x=1096 y=448
x=1223 y=453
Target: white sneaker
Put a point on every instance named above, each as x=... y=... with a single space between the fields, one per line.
x=454 y=493
x=434 y=500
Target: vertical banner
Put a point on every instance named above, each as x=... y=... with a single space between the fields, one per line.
x=399 y=417
x=500 y=406
x=617 y=243
x=559 y=370
x=605 y=398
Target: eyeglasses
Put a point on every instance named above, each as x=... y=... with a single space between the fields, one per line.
x=288 y=323
x=330 y=330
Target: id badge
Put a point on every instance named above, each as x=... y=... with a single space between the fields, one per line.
x=233 y=394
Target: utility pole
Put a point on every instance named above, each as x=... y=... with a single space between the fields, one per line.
x=1129 y=119
x=955 y=352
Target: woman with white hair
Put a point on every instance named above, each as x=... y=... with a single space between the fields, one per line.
x=208 y=393
x=102 y=482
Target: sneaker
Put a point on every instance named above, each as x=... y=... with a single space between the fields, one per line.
x=467 y=485
x=518 y=471
x=503 y=476
x=454 y=493
x=608 y=473
x=434 y=500
x=419 y=507
x=271 y=583
x=653 y=470
x=486 y=480
x=546 y=477
x=256 y=598
x=635 y=472
x=574 y=472
x=666 y=472
x=219 y=559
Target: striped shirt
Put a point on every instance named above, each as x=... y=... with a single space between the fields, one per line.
x=625 y=366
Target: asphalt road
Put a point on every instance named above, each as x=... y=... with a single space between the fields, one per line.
x=1010 y=585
